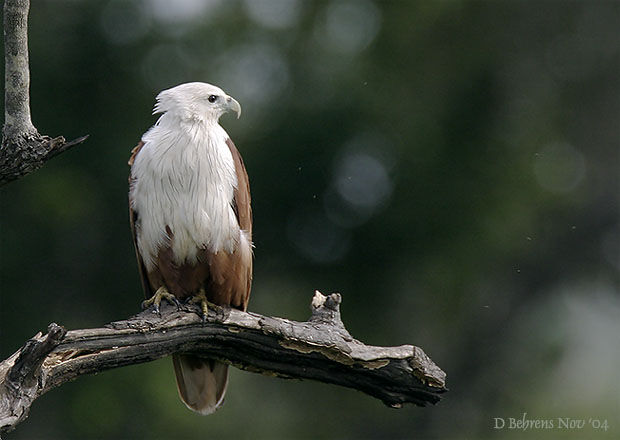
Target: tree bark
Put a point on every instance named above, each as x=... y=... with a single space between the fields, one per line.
x=17 y=73
x=23 y=149
x=319 y=349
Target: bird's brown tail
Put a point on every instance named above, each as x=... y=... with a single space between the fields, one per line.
x=201 y=382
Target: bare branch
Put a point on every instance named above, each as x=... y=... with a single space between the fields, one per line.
x=23 y=149
x=319 y=349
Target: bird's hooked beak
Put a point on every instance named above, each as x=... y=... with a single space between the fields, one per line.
x=233 y=105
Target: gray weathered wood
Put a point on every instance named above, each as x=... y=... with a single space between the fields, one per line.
x=318 y=349
x=23 y=149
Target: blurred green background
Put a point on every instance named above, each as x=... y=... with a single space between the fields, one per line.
x=450 y=167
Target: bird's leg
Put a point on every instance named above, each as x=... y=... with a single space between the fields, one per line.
x=155 y=300
x=201 y=298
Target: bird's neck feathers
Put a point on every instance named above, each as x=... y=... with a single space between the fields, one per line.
x=189 y=139
x=191 y=123
x=187 y=147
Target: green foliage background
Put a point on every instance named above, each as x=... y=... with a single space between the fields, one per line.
x=450 y=167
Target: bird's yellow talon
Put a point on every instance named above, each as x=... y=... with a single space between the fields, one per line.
x=201 y=299
x=161 y=294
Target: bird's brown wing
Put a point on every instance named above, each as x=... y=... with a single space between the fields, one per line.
x=230 y=278
x=242 y=200
x=133 y=220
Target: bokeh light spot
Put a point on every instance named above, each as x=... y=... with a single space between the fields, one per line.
x=258 y=73
x=559 y=167
x=361 y=182
x=274 y=14
x=350 y=26
x=180 y=12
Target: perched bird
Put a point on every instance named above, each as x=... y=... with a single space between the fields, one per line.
x=190 y=215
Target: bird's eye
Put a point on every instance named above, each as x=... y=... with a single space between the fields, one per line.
x=212 y=98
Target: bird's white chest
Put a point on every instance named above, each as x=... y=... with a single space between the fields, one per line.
x=184 y=180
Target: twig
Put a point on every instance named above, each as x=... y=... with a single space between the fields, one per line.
x=23 y=149
x=319 y=349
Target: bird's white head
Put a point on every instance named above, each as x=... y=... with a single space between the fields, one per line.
x=196 y=101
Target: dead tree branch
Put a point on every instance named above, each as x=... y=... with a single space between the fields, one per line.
x=319 y=349
x=23 y=149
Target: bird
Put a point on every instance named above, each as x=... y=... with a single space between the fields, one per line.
x=191 y=220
